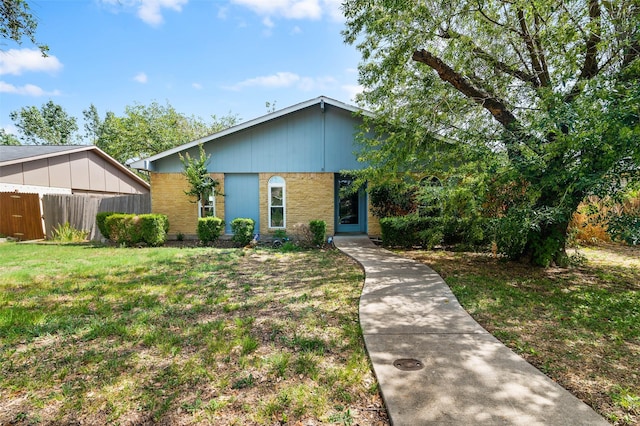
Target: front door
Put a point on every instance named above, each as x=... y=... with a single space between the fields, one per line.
x=351 y=206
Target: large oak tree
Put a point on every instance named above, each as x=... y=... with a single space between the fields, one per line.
x=540 y=96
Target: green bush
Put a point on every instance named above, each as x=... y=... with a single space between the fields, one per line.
x=101 y=222
x=209 y=229
x=318 y=229
x=242 y=229
x=132 y=229
x=403 y=231
x=624 y=227
x=393 y=199
x=511 y=233
x=153 y=229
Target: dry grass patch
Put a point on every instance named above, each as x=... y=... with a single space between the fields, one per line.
x=580 y=325
x=101 y=335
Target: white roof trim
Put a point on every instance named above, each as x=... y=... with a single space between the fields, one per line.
x=144 y=163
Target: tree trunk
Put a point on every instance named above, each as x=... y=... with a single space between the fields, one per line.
x=548 y=246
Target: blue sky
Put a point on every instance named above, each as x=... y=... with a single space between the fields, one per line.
x=204 y=57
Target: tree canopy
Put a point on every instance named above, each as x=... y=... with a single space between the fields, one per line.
x=145 y=130
x=542 y=97
x=16 y=22
x=48 y=125
x=8 y=138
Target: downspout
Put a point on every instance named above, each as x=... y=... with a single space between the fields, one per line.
x=324 y=142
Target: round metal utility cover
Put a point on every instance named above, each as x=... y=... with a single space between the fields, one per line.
x=408 y=364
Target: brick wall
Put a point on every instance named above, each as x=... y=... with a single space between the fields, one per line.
x=373 y=223
x=168 y=197
x=309 y=196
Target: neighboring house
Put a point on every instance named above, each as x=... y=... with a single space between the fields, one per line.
x=280 y=169
x=43 y=186
x=46 y=169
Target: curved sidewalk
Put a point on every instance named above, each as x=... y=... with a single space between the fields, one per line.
x=456 y=373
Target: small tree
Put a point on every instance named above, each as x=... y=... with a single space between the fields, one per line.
x=202 y=185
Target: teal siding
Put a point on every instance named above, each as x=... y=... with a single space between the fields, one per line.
x=340 y=132
x=241 y=198
x=308 y=140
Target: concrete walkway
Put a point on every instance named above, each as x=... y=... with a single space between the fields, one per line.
x=448 y=369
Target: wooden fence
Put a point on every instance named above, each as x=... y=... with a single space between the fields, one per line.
x=80 y=210
x=20 y=216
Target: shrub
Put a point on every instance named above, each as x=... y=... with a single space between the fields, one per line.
x=302 y=234
x=242 y=229
x=319 y=229
x=131 y=229
x=68 y=233
x=154 y=228
x=209 y=229
x=511 y=232
x=101 y=222
x=393 y=199
x=625 y=227
x=402 y=231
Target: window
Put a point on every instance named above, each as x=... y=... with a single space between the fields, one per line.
x=209 y=206
x=277 y=217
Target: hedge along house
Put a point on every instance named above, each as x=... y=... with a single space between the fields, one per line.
x=280 y=169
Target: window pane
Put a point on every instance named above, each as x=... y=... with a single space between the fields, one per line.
x=277 y=216
x=276 y=196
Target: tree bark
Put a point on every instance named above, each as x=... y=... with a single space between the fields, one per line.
x=494 y=105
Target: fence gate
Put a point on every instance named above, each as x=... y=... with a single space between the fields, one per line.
x=20 y=216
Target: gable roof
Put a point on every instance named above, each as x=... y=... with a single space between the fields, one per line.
x=23 y=153
x=321 y=100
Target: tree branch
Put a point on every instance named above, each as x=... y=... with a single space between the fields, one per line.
x=590 y=65
x=495 y=106
x=537 y=60
x=498 y=65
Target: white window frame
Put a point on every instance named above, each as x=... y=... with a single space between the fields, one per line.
x=277 y=182
x=210 y=206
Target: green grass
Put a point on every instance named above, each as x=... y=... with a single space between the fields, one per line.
x=107 y=335
x=580 y=325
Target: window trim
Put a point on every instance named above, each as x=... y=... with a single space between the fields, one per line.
x=277 y=182
x=211 y=205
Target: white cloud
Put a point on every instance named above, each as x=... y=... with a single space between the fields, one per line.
x=283 y=80
x=352 y=90
x=150 y=11
x=17 y=61
x=268 y=22
x=277 y=80
x=333 y=8
x=26 y=90
x=222 y=12
x=10 y=129
x=141 y=78
x=295 y=9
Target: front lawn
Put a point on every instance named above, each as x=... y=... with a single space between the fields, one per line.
x=580 y=326
x=100 y=335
